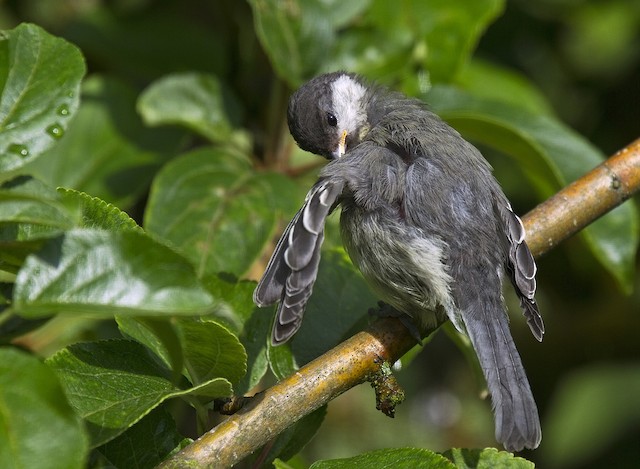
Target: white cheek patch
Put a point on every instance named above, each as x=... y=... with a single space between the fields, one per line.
x=348 y=103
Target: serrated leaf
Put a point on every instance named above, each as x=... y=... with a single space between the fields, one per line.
x=403 y=458
x=216 y=209
x=113 y=384
x=193 y=100
x=103 y=273
x=107 y=151
x=145 y=444
x=39 y=92
x=38 y=428
x=96 y=213
x=553 y=155
x=488 y=458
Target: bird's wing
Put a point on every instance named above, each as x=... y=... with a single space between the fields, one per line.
x=522 y=270
x=292 y=270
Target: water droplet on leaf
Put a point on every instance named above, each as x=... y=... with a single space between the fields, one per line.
x=18 y=149
x=55 y=130
x=63 y=110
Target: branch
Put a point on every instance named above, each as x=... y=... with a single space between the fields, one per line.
x=584 y=201
x=360 y=358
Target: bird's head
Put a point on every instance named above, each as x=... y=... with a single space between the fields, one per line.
x=328 y=115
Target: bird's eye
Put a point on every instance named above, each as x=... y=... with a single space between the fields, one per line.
x=331 y=120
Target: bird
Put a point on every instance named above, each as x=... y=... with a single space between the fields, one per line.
x=423 y=219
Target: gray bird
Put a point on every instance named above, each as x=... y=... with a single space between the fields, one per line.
x=423 y=219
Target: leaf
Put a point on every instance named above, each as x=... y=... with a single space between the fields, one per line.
x=27 y=201
x=281 y=360
x=30 y=212
x=194 y=100
x=553 y=155
x=39 y=92
x=96 y=213
x=488 y=458
x=205 y=348
x=102 y=273
x=296 y=35
x=610 y=392
x=158 y=335
x=107 y=151
x=441 y=34
x=211 y=351
x=38 y=428
x=113 y=384
x=415 y=42
x=403 y=458
x=145 y=444
x=215 y=209
x=486 y=80
x=338 y=307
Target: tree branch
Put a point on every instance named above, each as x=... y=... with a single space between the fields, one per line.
x=584 y=201
x=360 y=358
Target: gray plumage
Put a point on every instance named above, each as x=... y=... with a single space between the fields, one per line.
x=423 y=219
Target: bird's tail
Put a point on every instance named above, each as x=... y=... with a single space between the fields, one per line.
x=515 y=411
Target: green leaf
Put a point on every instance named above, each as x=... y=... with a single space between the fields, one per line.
x=96 y=213
x=610 y=392
x=38 y=428
x=488 y=458
x=403 y=458
x=30 y=212
x=337 y=309
x=145 y=444
x=32 y=208
x=413 y=41
x=485 y=80
x=158 y=335
x=107 y=151
x=39 y=92
x=440 y=35
x=193 y=100
x=211 y=351
x=297 y=35
x=553 y=156
x=281 y=360
x=215 y=208
x=102 y=273
x=205 y=348
x=113 y=384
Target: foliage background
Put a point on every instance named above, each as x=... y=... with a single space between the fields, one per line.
x=583 y=58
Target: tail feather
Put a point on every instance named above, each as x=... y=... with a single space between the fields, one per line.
x=516 y=414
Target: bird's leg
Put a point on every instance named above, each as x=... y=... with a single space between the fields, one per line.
x=385 y=310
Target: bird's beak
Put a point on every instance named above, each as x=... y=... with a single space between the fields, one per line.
x=342 y=145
